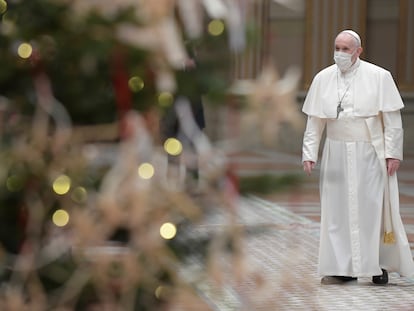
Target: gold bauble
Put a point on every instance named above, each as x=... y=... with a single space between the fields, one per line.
x=3 y=6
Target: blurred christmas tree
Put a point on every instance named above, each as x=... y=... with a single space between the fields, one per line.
x=67 y=64
x=88 y=50
x=87 y=226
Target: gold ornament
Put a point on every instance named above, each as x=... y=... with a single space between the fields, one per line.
x=271 y=102
x=3 y=6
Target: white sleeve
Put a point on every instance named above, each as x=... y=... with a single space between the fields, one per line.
x=393 y=134
x=312 y=138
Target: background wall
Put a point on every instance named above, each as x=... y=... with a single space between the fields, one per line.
x=300 y=34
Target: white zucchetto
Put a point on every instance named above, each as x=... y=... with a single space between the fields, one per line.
x=353 y=34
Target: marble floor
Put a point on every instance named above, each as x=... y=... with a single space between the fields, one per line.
x=278 y=271
x=280 y=249
x=303 y=199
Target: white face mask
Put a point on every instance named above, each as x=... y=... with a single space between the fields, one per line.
x=343 y=60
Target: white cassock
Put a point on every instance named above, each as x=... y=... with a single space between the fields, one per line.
x=358 y=200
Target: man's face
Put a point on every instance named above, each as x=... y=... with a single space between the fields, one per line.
x=346 y=43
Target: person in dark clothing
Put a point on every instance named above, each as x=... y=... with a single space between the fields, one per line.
x=189 y=87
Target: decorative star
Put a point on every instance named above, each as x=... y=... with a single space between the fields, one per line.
x=271 y=101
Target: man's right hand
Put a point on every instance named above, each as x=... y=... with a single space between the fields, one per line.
x=308 y=166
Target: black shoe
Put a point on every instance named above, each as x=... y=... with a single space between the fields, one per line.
x=337 y=279
x=381 y=279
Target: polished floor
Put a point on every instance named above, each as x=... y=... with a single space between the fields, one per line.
x=280 y=248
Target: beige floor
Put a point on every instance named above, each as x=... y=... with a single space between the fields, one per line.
x=281 y=245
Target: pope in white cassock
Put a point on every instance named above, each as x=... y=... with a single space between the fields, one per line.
x=359 y=105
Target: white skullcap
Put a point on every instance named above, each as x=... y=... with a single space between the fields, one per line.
x=353 y=34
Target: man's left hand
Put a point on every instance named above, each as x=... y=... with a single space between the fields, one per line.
x=392 y=166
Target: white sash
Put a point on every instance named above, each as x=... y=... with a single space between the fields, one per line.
x=348 y=130
x=395 y=251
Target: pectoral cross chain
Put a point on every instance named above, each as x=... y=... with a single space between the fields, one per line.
x=339 y=109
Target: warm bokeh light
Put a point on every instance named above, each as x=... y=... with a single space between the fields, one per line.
x=216 y=27
x=62 y=184
x=136 y=84
x=24 y=50
x=146 y=170
x=60 y=218
x=14 y=183
x=173 y=146
x=168 y=231
x=79 y=195
x=165 y=99
x=158 y=291
x=163 y=292
x=3 y=6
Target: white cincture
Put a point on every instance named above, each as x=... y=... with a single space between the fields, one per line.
x=348 y=129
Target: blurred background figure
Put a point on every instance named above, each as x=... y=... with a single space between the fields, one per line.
x=193 y=93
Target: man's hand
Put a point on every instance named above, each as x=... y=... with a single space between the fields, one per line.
x=308 y=166
x=392 y=166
